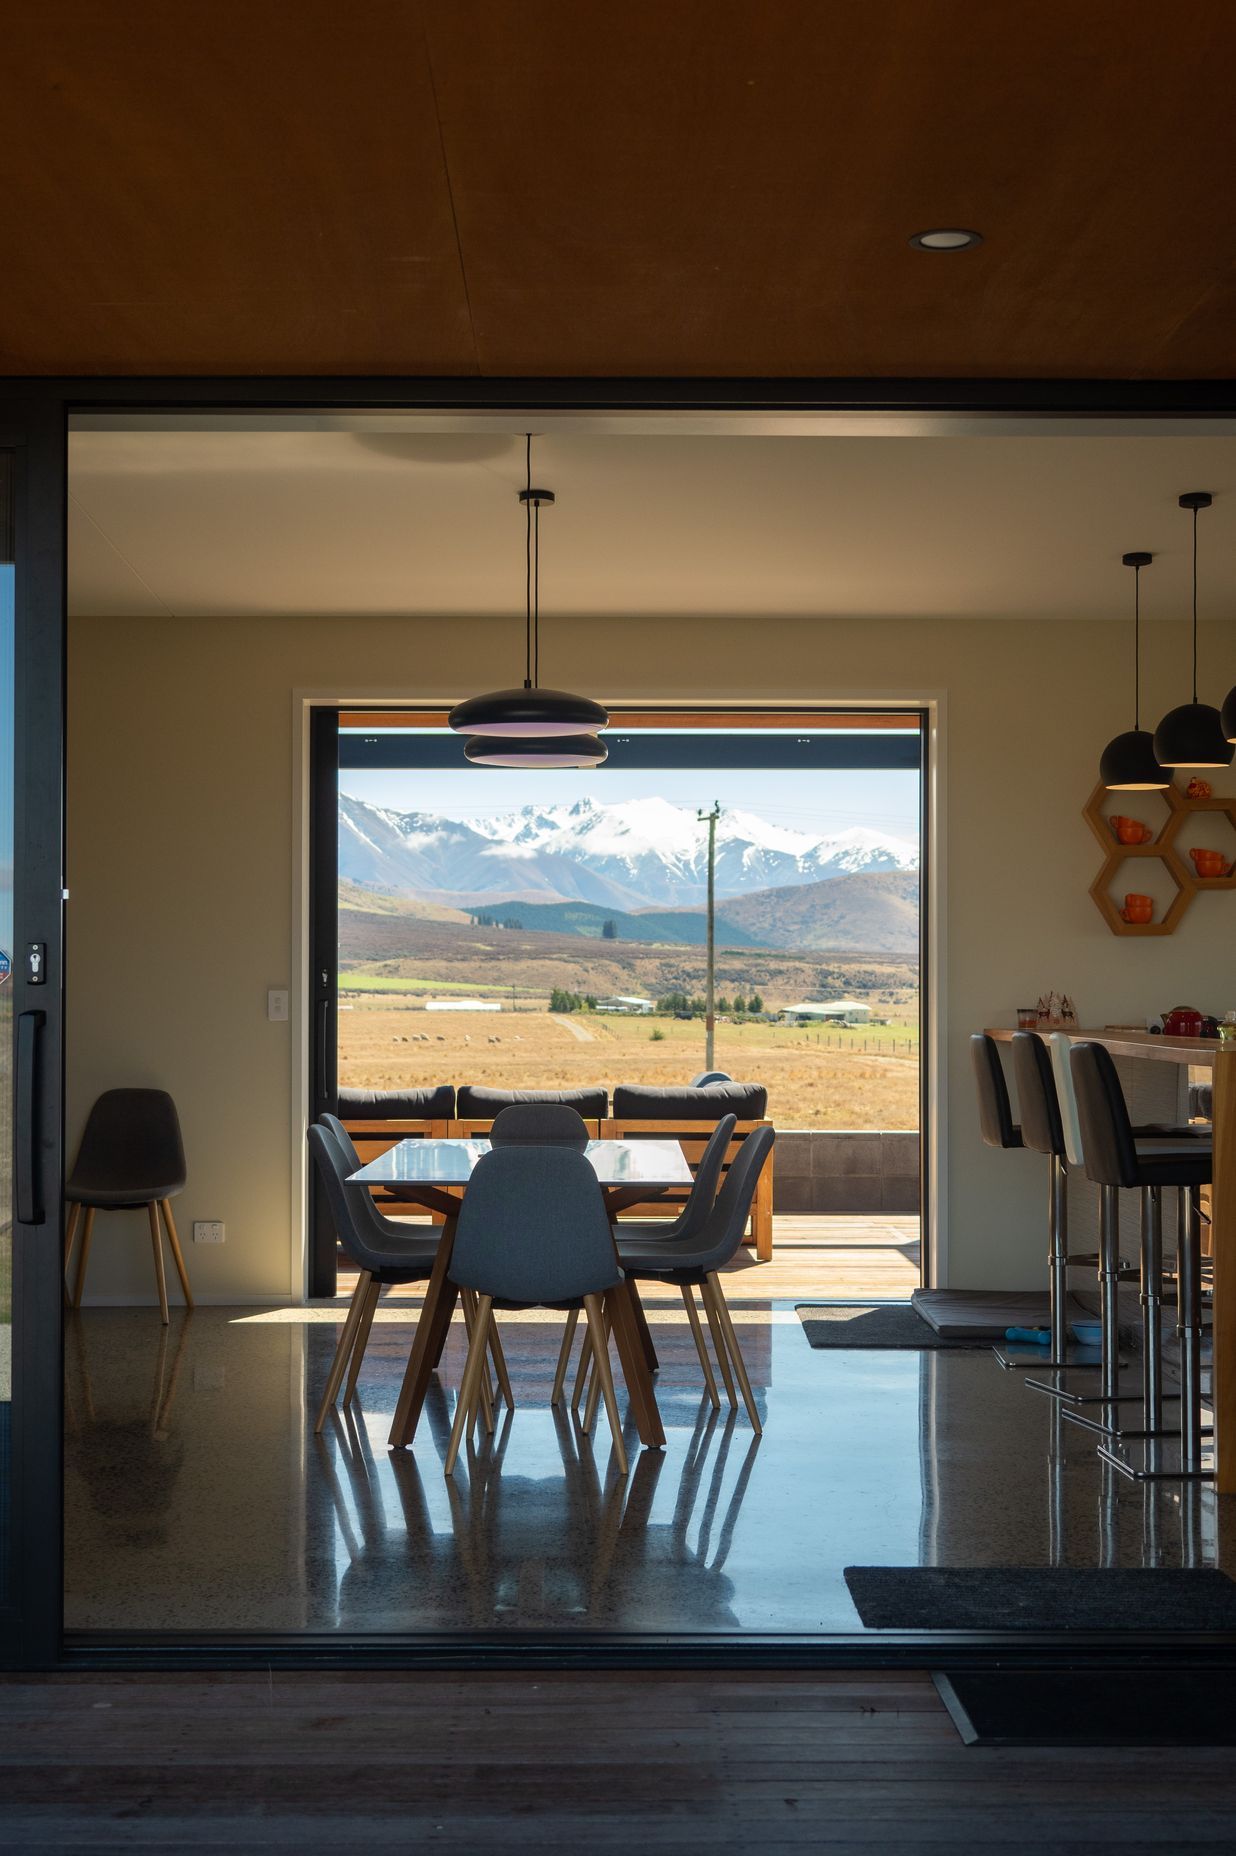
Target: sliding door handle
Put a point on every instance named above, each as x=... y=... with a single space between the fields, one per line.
x=323 y=1080
x=26 y=1142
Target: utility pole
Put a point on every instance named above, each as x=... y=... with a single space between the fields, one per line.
x=710 y=1020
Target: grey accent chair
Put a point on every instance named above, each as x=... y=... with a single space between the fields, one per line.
x=131 y=1155
x=694 y=1261
x=533 y=1232
x=539 y=1124
x=384 y=1250
x=688 y=1224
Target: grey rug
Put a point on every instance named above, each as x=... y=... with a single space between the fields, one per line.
x=1043 y=1598
x=895 y=1327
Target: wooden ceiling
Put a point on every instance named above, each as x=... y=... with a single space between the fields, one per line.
x=666 y=187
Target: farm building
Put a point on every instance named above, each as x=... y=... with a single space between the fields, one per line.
x=625 y=1002
x=830 y=1011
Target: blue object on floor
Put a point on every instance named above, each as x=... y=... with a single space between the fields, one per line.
x=1089 y=1333
x=1038 y=1337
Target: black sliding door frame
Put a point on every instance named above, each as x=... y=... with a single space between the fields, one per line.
x=34 y=419
x=33 y=430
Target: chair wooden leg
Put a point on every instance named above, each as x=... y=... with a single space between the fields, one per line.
x=581 y=1374
x=83 y=1253
x=594 y=1384
x=697 y=1335
x=484 y=1394
x=343 y=1350
x=475 y=1374
x=564 y=1356
x=173 y=1239
x=498 y=1355
x=70 y=1231
x=731 y=1340
x=595 y=1312
x=361 y=1340
x=645 y=1332
x=718 y=1342
x=156 y=1239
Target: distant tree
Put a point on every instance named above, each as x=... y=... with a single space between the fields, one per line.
x=609 y=930
x=673 y=1002
x=723 y=1005
x=560 y=1000
x=697 y=1007
x=755 y=1003
x=590 y=1001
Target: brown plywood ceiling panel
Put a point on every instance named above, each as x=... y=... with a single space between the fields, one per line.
x=255 y=188
x=700 y=187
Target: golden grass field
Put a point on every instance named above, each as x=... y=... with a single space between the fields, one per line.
x=815 y=1079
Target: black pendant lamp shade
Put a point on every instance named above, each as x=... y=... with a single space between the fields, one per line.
x=1192 y=734
x=531 y=713
x=1128 y=763
x=1227 y=717
x=528 y=713
x=527 y=751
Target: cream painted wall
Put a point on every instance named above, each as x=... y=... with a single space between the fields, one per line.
x=181 y=856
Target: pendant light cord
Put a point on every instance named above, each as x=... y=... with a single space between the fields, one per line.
x=528 y=683
x=1195 y=605
x=1137 y=646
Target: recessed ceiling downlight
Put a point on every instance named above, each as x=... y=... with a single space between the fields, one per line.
x=946 y=238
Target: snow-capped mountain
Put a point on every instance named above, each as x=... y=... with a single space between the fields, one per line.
x=635 y=853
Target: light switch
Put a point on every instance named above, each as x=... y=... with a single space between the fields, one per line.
x=277 y=1006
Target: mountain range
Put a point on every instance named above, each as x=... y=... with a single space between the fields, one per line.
x=632 y=855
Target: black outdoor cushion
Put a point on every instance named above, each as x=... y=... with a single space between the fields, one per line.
x=641 y=1102
x=480 y=1104
x=437 y=1103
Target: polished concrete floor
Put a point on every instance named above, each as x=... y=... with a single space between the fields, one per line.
x=198 y=1498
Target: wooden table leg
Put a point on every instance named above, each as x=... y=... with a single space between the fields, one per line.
x=440 y=1297
x=645 y=1332
x=1223 y=1244
x=634 y=1366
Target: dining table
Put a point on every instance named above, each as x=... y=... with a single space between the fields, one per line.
x=1218 y=1057
x=435 y=1174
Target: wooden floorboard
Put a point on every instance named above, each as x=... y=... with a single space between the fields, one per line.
x=843 y=1762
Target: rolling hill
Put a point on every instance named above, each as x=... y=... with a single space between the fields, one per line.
x=875 y=912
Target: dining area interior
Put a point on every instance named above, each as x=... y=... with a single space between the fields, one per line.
x=563 y=1381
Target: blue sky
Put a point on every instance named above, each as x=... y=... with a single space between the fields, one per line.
x=820 y=801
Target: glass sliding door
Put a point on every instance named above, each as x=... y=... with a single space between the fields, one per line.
x=7 y=587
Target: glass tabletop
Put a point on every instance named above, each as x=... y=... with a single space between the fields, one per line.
x=450 y=1163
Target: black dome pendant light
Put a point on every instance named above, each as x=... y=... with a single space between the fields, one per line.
x=1192 y=735
x=536 y=717
x=1127 y=764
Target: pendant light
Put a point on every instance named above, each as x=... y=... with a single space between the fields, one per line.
x=1227 y=717
x=532 y=713
x=1128 y=764
x=531 y=751
x=1192 y=735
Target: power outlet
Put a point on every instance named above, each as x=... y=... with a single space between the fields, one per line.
x=277 y=1005
x=208 y=1231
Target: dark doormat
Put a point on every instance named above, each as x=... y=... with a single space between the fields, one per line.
x=1043 y=1598
x=847 y=1324
x=1060 y=1707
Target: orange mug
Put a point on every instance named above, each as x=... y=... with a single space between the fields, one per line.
x=1131 y=830
x=1138 y=909
x=1209 y=863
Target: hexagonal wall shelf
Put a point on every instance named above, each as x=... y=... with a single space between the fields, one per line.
x=1162 y=848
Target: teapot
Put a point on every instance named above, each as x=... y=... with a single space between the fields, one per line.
x=1183 y=1021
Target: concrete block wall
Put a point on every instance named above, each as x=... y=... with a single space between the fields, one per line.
x=840 y=1171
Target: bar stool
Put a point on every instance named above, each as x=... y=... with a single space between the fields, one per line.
x=998 y=1129
x=1116 y=1160
x=1042 y=1130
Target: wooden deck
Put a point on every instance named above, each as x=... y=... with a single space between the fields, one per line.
x=855 y=1763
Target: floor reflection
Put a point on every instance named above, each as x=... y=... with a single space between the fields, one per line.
x=198 y=1499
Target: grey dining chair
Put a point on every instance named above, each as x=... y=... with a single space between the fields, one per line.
x=539 y=1124
x=131 y=1155
x=386 y=1253
x=533 y=1232
x=690 y=1221
x=694 y=1261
